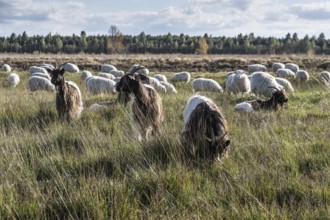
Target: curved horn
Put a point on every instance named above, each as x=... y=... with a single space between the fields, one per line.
x=61 y=66
x=272 y=87
x=135 y=69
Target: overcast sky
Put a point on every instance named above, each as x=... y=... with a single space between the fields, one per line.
x=158 y=17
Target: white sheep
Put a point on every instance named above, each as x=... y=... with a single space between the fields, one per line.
x=263 y=83
x=302 y=75
x=285 y=83
x=48 y=67
x=238 y=82
x=45 y=75
x=117 y=73
x=325 y=77
x=84 y=74
x=169 y=87
x=277 y=66
x=292 y=66
x=143 y=70
x=70 y=67
x=256 y=68
x=161 y=77
x=203 y=84
x=40 y=83
x=157 y=85
x=6 y=68
x=13 y=80
x=96 y=85
x=35 y=69
x=106 y=68
x=97 y=107
x=106 y=75
x=285 y=73
x=181 y=77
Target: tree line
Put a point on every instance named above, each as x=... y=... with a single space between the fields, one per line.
x=117 y=43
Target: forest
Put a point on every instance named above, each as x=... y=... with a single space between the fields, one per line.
x=117 y=43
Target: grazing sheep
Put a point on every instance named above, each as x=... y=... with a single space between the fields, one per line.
x=70 y=67
x=256 y=68
x=117 y=73
x=285 y=83
x=263 y=84
x=106 y=75
x=69 y=103
x=181 y=77
x=285 y=73
x=40 y=83
x=302 y=75
x=6 y=68
x=13 y=80
x=97 y=107
x=97 y=85
x=157 y=85
x=292 y=66
x=205 y=128
x=169 y=87
x=277 y=66
x=147 y=108
x=48 y=67
x=238 y=82
x=142 y=69
x=84 y=74
x=37 y=69
x=106 y=68
x=325 y=77
x=45 y=75
x=277 y=99
x=161 y=77
x=209 y=85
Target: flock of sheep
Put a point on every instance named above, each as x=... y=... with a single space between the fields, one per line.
x=205 y=126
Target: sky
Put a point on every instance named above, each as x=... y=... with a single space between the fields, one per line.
x=265 y=18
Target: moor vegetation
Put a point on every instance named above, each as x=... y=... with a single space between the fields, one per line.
x=278 y=166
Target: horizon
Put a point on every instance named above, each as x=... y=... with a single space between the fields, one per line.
x=191 y=17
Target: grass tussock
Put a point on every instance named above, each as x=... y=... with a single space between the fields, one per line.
x=95 y=168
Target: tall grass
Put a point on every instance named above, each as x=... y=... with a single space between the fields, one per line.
x=278 y=165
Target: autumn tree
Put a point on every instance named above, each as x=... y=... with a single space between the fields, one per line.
x=202 y=47
x=115 y=40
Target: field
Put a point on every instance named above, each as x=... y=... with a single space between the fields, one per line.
x=278 y=166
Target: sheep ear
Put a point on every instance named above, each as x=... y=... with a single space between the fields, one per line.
x=62 y=71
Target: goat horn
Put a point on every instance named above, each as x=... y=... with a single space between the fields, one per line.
x=272 y=87
x=134 y=70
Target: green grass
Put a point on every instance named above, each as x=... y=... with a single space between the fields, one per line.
x=278 y=165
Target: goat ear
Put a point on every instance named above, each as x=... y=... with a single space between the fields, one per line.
x=144 y=78
x=62 y=71
x=226 y=143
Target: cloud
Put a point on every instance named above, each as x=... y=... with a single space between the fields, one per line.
x=312 y=11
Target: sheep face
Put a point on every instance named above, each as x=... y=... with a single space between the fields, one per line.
x=57 y=76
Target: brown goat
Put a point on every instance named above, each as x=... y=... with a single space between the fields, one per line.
x=147 y=108
x=206 y=129
x=68 y=96
x=278 y=98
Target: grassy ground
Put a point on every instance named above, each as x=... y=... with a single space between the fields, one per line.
x=278 y=165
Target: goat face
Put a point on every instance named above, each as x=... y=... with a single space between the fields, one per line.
x=57 y=76
x=125 y=84
x=280 y=97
